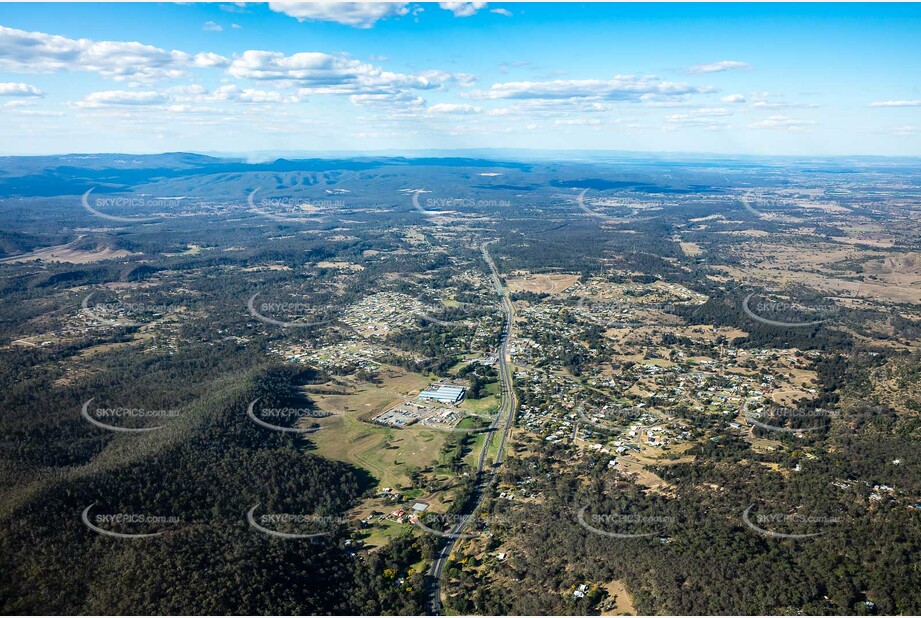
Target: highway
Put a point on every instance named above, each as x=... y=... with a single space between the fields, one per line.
x=504 y=418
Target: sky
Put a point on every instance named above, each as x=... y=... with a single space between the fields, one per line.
x=764 y=79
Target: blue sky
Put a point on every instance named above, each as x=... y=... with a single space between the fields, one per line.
x=802 y=79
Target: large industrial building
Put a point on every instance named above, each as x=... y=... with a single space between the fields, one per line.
x=444 y=393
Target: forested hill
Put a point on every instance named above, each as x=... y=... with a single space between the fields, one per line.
x=203 y=472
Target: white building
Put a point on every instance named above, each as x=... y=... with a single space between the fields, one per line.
x=444 y=393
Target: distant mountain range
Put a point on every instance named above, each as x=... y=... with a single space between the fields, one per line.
x=183 y=173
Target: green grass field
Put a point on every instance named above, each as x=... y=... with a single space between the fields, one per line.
x=385 y=452
x=379 y=534
x=485 y=405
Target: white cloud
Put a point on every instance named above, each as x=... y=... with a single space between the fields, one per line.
x=657 y=100
x=733 y=98
x=462 y=9
x=438 y=76
x=707 y=117
x=320 y=73
x=552 y=108
x=183 y=98
x=38 y=52
x=25 y=107
x=250 y=95
x=14 y=89
x=236 y=7
x=780 y=105
x=18 y=103
x=355 y=14
x=236 y=26
x=228 y=92
x=398 y=100
x=782 y=122
x=210 y=26
x=621 y=88
x=722 y=65
x=210 y=60
x=591 y=122
x=916 y=103
x=453 y=108
x=112 y=98
x=505 y=12
x=190 y=109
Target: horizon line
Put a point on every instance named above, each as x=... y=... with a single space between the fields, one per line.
x=396 y=152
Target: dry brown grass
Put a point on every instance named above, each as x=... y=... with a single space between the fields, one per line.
x=622 y=600
x=541 y=284
x=72 y=256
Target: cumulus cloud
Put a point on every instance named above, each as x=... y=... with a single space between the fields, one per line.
x=590 y=122
x=707 y=117
x=236 y=7
x=19 y=89
x=402 y=100
x=505 y=12
x=781 y=105
x=320 y=73
x=228 y=93
x=210 y=26
x=453 y=108
x=782 y=122
x=462 y=9
x=210 y=60
x=621 y=88
x=722 y=65
x=38 y=52
x=916 y=103
x=553 y=108
x=355 y=14
x=115 y=98
x=733 y=98
x=183 y=98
